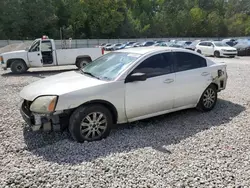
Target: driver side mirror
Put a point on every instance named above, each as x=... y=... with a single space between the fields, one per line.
x=136 y=77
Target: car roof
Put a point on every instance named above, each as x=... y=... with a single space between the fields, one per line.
x=146 y=50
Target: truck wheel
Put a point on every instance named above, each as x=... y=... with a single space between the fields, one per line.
x=90 y=123
x=18 y=67
x=82 y=62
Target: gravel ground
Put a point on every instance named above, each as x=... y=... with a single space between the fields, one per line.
x=183 y=149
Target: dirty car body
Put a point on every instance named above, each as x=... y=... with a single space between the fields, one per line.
x=131 y=84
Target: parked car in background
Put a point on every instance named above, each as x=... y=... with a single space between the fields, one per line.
x=116 y=47
x=111 y=47
x=147 y=43
x=168 y=44
x=230 y=42
x=192 y=46
x=159 y=41
x=173 y=41
x=183 y=44
x=130 y=44
x=243 y=47
x=107 y=46
x=216 y=48
x=175 y=45
x=136 y=44
x=115 y=89
x=101 y=45
x=43 y=53
x=120 y=47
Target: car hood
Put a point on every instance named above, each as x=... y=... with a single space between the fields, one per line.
x=59 y=85
x=14 y=52
x=227 y=48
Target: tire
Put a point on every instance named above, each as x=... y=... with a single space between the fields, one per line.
x=80 y=121
x=82 y=62
x=18 y=67
x=205 y=104
x=216 y=54
x=199 y=51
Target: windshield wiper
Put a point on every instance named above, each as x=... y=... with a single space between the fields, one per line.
x=90 y=74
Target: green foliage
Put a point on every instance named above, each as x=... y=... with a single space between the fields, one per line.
x=26 y=19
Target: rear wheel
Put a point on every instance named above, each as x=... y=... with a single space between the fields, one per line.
x=90 y=123
x=199 y=51
x=216 y=54
x=208 y=99
x=18 y=67
x=82 y=62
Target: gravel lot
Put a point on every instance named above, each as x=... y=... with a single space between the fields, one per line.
x=183 y=149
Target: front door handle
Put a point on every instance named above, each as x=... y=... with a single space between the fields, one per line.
x=205 y=74
x=168 y=81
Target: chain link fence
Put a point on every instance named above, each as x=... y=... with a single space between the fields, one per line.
x=89 y=43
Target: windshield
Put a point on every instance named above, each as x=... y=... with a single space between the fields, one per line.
x=220 y=44
x=109 y=66
x=34 y=43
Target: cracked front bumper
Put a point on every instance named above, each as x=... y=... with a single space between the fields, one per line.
x=44 y=122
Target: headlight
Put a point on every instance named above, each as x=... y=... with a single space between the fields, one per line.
x=44 y=104
x=1 y=59
x=223 y=50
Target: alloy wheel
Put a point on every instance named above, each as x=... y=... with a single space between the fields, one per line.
x=94 y=125
x=209 y=98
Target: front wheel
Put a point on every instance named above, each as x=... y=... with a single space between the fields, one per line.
x=18 y=67
x=90 y=123
x=216 y=54
x=208 y=99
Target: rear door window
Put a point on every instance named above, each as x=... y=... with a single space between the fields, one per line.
x=188 y=61
x=203 y=44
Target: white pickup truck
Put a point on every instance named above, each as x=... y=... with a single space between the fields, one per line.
x=43 y=53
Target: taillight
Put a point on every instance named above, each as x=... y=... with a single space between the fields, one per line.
x=102 y=51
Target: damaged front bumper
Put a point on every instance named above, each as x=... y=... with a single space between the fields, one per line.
x=45 y=122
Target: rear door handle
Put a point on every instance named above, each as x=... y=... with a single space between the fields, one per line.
x=168 y=81
x=205 y=74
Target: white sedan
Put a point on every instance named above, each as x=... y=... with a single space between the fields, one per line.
x=120 y=87
x=216 y=49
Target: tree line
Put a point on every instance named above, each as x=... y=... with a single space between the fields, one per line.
x=26 y=19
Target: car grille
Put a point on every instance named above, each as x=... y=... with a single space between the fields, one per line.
x=230 y=50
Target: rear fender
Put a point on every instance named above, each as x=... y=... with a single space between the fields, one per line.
x=220 y=76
